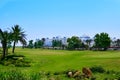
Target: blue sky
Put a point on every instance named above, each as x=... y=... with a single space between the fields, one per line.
x=48 y=18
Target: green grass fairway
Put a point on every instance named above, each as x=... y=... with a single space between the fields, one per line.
x=61 y=60
x=58 y=60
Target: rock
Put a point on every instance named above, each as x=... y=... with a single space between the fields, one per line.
x=70 y=74
x=87 y=72
x=76 y=74
x=52 y=78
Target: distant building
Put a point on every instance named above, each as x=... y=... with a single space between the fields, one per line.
x=84 y=38
x=56 y=38
x=113 y=43
x=64 y=41
x=48 y=42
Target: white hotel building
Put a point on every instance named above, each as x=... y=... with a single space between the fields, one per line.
x=48 y=42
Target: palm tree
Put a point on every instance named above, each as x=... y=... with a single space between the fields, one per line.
x=24 y=43
x=5 y=39
x=17 y=35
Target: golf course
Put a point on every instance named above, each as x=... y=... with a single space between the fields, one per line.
x=58 y=61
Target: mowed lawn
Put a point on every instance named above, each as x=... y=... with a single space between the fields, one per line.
x=61 y=60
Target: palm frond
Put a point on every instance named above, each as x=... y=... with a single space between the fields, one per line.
x=18 y=33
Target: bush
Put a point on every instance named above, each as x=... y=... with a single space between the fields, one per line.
x=16 y=60
x=110 y=72
x=112 y=75
x=57 y=73
x=97 y=69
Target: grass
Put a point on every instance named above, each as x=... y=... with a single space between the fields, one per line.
x=61 y=60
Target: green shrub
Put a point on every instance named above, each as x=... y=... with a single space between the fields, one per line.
x=112 y=75
x=97 y=69
x=21 y=64
x=110 y=72
x=56 y=73
x=17 y=60
x=13 y=57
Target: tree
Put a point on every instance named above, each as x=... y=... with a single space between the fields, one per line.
x=5 y=39
x=56 y=43
x=102 y=40
x=30 y=44
x=43 y=39
x=35 y=45
x=8 y=46
x=24 y=43
x=38 y=43
x=88 y=41
x=74 y=42
x=17 y=35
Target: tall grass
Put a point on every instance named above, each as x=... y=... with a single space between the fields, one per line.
x=15 y=74
x=12 y=75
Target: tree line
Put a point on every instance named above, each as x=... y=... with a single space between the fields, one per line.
x=16 y=34
x=101 y=41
